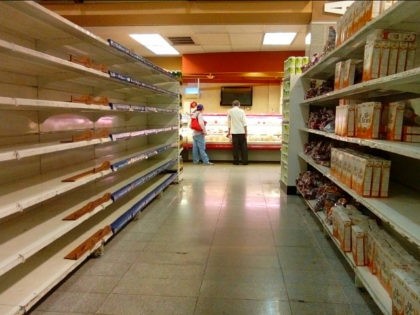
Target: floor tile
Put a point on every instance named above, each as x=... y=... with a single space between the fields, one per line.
x=121 y=304
x=214 y=306
x=306 y=292
x=243 y=290
x=73 y=302
x=243 y=274
x=304 y=308
x=161 y=287
x=165 y=271
x=90 y=284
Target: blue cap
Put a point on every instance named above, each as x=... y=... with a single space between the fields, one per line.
x=200 y=107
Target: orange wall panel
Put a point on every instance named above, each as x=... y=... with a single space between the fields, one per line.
x=236 y=62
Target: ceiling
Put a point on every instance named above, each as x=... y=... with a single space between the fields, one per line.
x=212 y=25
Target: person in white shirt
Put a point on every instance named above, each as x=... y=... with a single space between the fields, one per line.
x=237 y=129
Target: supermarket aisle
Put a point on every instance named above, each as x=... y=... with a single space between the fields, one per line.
x=223 y=241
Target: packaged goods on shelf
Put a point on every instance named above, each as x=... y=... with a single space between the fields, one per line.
x=411 y=134
x=319 y=151
x=358 y=240
x=358 y=15
x=405 y=292
x=322 y=119
x=367 y=175
x=345 y=73
x=293 y=65
x=344 y=231
x=388 y=52
x=319 y=88
x=368 y=120
x=395 y=120
x=345 y=119
x=338 y=75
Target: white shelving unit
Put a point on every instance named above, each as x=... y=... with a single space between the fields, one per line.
x=371 y=282
x=62 y=158
x=399 y=212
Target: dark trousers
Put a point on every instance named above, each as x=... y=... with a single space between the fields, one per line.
x=240 y=148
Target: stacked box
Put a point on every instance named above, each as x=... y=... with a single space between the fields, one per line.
x=357 y=15
x=345 y=119
x=368 y=120
x=366 y=174
x=411 y=134
x=338 y=76
x=405 y=292
x=343 y=230
x=293 y=65
x=388 y=52
x=358 y=240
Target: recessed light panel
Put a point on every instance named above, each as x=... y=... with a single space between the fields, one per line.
x=278 y=38
x=155 y=43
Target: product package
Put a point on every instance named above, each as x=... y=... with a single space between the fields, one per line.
x=395 y=120
x=405 y=292
x=368 y=120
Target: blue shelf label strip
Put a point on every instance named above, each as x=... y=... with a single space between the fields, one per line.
x=119 y=223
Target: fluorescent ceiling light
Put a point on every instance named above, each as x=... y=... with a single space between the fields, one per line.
x=308 y=39
x=278 y=38
x=155 y=43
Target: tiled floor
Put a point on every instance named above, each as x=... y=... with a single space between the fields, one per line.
x=225 y=240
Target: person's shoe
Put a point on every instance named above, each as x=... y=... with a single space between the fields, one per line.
x=208 y=163
x=235 y=163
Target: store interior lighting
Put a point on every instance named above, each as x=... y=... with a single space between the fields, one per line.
x=308 y=39
x=278 y=38
x=155 y=43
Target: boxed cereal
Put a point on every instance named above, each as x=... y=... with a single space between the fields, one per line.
x=385 y=51
x=385 y=173
x=405 y=292
x=402 y=56
x=338 y=76
x=348 y=72
x=368 y=119
x=371 y=62
x=358 y=240
x=393 y=57
x=395 y=120
x=344 y=231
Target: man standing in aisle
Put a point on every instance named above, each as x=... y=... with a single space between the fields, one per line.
x=237 y=129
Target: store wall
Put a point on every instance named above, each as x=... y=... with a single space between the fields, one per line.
x=265 y=98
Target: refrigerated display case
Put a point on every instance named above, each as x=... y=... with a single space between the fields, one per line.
x=264 y=134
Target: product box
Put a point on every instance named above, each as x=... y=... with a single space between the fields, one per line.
x=368 y=120
x=411 y=138
x=371 y=61
x=344 y=231
x=395 y=121
x=385 y=173
x=402 y=56
x=411 y=56
x=412 y=130
x=405 y=292
x=393 y=57
x=358 y=240
x=376 y=178
x=385 y=49
x=338 y=75
x=348 y=72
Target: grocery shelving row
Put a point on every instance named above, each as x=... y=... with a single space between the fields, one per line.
x=398 y=212
x=361 y=273
x=92 y=138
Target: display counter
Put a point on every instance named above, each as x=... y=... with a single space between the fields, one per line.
x=264 y=134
